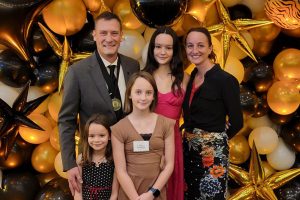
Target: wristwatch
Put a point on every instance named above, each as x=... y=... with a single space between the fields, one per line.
x=154 y=191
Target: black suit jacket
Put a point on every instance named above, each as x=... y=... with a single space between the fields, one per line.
x=85 y=93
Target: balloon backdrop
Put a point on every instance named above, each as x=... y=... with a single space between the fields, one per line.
x=19 y=186
x=239 y=150
x=158 y=12
x=56 y=189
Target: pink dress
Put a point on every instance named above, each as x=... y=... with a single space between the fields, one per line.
x=169 y=105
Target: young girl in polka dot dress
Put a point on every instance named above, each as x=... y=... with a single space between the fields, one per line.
x=95 y=162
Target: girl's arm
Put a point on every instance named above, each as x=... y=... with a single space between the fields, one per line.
x=115 y=188
x=78 y=195
x=121 y=171
x=168 y=167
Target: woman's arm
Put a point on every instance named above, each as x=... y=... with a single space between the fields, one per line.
x=115 y=188
x=121 y=171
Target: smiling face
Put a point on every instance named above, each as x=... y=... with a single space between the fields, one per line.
x=163 y=49
x=98 y=137
x=108 y=36
x=141 y=95
x=198 y=48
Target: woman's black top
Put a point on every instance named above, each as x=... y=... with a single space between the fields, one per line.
x=218 y=96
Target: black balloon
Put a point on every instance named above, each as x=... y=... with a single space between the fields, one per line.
x=261 y=107
x=248 y=100
x=38 y=41
x=155 y=13
x=290 y=191
x=239 y=11
x=56 y=189
x=47 y=77
x=280 y=119
x=13 y=71
x=19 y=186
x=291 y=133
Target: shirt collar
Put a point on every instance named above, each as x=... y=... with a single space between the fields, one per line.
x=107 y=63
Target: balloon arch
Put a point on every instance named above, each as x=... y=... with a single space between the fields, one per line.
x=40 y=39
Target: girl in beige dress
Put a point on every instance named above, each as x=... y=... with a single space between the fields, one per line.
x=140 y=142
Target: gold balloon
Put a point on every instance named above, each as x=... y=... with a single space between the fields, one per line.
x=212 y=16
x=189 y=22
x=15 y=159
x=292 y=32
x=52 y=121
x=65 y=17
x=255 y=184
x=54 y=105
x=130 y=21
x=262 y=48
x=235 y=68
x=59 y=167
x=42 y=158
x=199 y=8
x=54 y=138
x=177 y=27
x=35 y=136
x=230 y=30
x=283 y=97
x=46 y=177
x=110 y=3
x=122 y=8
x=235 y=51
x=93 y=5
x=284 y=13
x=286 y=64
x=268 y=169
x=264 y=33
x=239 y=150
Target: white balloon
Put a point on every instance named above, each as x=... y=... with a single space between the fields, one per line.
x=256 y=6
x=145 y=53
x=259 y=122
x=265 y=138
x=132 y=44
x=8 y=94
x=282 y=157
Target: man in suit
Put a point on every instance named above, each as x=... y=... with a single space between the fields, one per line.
x=91 y=86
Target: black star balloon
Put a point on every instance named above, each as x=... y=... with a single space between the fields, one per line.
x=12 y=118
x=16 y=18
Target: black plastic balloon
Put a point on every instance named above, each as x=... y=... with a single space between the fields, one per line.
x=290 y=191
x=47 y=77
x=155 y=13
x=280 y=119
x=239 y=11
x=13 y=71
x=291 y=133
x=56 y=189
x=19 y=186
x=248 y=100
x=38 y=41
x=261 y=107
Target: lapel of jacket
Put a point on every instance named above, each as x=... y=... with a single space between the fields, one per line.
x=126 y=68
x=97 y=77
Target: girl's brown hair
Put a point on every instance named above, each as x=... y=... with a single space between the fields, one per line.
x=131 y=81
x=87 y=151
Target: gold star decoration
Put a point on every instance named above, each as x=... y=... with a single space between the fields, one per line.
x=16 y=20
x=64 y=51
x=254 y=183
x=230 y=30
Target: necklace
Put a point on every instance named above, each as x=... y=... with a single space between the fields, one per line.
x=98 y=161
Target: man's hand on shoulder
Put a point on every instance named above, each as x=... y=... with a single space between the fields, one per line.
x=74 y=179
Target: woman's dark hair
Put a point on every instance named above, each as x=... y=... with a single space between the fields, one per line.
x=87 y=151
x=203 y=30
x=176 y=64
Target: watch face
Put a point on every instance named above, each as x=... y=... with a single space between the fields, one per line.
x=155 y=192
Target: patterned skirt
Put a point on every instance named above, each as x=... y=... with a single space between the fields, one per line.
x=205 y=165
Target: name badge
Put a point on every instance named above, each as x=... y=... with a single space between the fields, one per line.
x=140 y=146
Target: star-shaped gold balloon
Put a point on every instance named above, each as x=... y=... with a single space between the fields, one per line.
x=64 y=51
x=230 y=30
x=254 y=183
x=16 y=20
x=199 y=8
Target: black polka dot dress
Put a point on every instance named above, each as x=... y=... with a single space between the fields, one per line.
x=97 y=181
